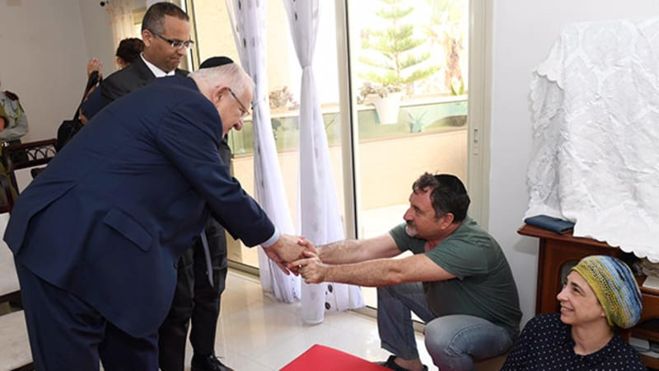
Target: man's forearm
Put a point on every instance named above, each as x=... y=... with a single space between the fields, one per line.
x=340 y=252
x=373 y=273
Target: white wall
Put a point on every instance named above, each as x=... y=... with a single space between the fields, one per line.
x=523 y=33
x=97 y=33
x=44 y=47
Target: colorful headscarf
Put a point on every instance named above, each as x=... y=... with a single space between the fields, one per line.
x=615 y=288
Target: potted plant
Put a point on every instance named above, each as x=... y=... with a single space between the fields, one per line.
x=385 y=98
x=281 y=99
x=393 y=57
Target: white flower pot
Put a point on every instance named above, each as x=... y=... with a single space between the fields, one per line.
x=388 y=108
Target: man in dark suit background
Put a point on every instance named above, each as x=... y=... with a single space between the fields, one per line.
x=97 y=235
x=166 y=36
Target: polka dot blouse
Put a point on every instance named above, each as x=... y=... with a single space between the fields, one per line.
x=546 y=344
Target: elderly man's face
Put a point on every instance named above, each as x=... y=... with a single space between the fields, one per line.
x=233 y=108
x=157 y=46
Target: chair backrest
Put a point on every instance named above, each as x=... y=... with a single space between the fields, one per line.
x=24 y=156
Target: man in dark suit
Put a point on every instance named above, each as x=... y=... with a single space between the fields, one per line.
x=96 y=236
x=166 y=36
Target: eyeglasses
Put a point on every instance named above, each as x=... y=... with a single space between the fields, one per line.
x=243 y=109
x=177 y=44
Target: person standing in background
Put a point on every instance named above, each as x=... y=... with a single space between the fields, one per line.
x=3 y=118
x=166 y=37
x=128 y=51
x=15 y=119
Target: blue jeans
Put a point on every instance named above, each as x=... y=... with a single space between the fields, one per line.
x=453 y=341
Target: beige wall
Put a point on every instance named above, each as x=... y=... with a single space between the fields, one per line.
x=388 y=167
x=44 y=47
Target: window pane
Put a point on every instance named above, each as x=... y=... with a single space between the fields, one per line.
x=284 y=78
x=409 y=62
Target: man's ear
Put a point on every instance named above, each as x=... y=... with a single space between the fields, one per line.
x=147 y=37
x=447 y=219
x=218 y=92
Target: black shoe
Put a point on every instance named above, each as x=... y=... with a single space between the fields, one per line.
x=208 y=363
x=392 y=365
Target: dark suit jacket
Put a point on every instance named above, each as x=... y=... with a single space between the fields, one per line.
x=120 y=83
x=110 y=215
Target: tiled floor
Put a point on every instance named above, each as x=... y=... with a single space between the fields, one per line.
x=257 y=333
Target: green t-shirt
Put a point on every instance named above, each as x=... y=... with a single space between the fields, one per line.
x=484 y=285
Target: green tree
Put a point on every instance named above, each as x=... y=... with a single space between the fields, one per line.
x=395 y=60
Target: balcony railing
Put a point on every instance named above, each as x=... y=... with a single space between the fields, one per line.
x=416 y=117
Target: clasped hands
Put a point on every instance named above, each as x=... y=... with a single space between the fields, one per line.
x=298 y=256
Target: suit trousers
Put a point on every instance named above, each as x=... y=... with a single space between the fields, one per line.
x=68 y=334
x=195 y=301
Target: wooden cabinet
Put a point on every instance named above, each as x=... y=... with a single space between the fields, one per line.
x=558 y=253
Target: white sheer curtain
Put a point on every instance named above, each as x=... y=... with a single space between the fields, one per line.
x=248 y=24
x=320 y=220
x=121 y=17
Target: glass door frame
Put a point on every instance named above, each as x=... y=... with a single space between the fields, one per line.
x=478 y=119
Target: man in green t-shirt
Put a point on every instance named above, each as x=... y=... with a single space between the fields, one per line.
x=458 y=280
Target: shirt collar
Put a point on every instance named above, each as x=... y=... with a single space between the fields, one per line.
x=596 y=358
x=157 y=72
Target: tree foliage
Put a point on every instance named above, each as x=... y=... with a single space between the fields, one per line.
x=395 y=57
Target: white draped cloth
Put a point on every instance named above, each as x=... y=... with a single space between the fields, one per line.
x=595 y=106
x=121 y=18
x=248 y=23
x=320 y=221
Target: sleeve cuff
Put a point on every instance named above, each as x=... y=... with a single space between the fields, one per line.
x=272 y=240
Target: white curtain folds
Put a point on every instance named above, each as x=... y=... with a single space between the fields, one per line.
x=248 y=24
x=320 y=221
x=121 y=18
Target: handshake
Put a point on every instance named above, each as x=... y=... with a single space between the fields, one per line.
x=298 y=256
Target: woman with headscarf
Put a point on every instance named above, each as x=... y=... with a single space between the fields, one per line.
x=127 y=52
x=599 y=296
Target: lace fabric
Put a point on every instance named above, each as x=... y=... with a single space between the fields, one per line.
x=595 y=111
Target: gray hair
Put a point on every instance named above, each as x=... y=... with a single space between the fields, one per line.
x=230 y=75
